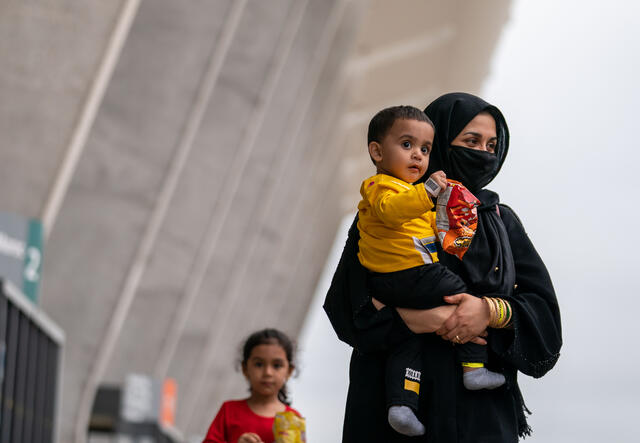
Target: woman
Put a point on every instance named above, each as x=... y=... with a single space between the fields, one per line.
x=470 y=146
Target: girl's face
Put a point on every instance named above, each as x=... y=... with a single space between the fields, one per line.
x=267 y=369
x=480 y=134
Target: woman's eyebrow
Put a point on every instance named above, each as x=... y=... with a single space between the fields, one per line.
x=477 y=134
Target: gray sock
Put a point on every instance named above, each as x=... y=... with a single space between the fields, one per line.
x=404 y=421
x=482 y=378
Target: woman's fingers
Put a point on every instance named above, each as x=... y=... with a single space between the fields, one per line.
x=469 y=320
x=448 y=326
x=378 y=305
x=455 y=299
x=423 y=321
x=478 y=341
x=452 y=322
x=460 y=338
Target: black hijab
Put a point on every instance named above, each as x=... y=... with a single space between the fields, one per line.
x=488 y=265
x=450 y=113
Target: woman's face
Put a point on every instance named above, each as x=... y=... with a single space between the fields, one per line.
x=479 y=134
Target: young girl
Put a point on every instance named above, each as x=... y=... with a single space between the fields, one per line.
x=267 y=364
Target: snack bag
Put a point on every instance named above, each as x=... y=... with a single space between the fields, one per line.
x=289 y=428
x=456 y=218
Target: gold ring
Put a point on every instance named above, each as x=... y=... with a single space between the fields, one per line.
x=457 y=339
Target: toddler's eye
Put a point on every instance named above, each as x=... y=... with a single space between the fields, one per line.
x=406 y=144
x=425 y=150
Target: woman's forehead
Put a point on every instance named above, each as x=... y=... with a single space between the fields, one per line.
x=483 y=123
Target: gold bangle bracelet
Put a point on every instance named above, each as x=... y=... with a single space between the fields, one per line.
x=500 y=312
x=509 y=314
x=492 y=311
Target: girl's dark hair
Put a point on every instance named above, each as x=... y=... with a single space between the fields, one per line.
x=270 y=336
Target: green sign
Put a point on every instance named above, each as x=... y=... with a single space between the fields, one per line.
x=21 y=252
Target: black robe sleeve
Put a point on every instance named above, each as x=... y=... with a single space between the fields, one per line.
x=533 y=345
x=348 y=305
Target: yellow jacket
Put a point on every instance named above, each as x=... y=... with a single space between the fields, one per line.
x=397 y=226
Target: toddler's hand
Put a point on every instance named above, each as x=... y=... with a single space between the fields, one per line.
x=440 y=178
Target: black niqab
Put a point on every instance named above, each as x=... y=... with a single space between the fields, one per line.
x=450 y=113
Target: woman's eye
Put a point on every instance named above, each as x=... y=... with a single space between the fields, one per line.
x=472 y=141
x=406 y=144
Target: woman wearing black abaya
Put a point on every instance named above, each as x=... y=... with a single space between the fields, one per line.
x=501 y=262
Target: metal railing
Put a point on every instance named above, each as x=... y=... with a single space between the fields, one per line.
x=31 y=348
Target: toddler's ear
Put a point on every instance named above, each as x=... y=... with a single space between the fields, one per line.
x=375 y=151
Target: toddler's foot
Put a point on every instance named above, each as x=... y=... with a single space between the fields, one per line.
x=404 y=421
x=482 y=378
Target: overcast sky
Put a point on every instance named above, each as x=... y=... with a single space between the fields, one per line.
x=565 y=76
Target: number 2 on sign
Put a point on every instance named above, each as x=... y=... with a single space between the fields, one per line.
x=33 y=264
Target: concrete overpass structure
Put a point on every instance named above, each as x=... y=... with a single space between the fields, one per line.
x=191 y=161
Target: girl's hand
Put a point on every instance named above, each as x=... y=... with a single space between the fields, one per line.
x=250 y=437
x=440 y=178
x=469 y=320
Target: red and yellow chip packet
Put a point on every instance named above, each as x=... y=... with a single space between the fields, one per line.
x=289 y=428
x=456 y=218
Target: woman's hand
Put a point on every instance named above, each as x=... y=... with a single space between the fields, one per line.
x=377 y=304
x=250 y=437
x=421 y=321
x=469 y=320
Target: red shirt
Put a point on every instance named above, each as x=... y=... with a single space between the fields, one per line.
x=235 y=418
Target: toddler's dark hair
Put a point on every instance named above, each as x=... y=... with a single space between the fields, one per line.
x=384 y=120
x=270 y=336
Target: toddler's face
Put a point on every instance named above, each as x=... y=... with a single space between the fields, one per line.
x=404 y=151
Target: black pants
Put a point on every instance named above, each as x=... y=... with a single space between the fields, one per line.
x=422 y=287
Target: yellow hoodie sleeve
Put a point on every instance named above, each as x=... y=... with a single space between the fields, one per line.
x=395 y=201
